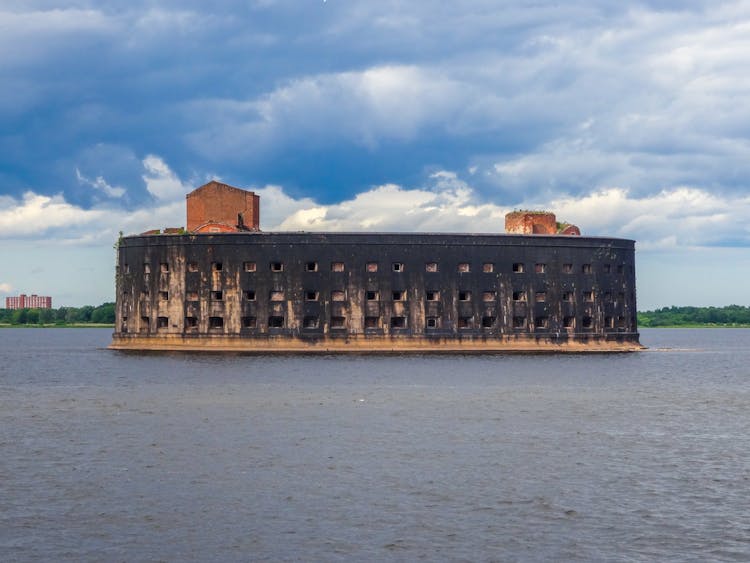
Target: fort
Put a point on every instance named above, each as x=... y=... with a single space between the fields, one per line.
x=222 y=284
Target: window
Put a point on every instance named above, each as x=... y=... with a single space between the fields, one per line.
x=338 y=322
x=432 y=295
x=399 y=295
x=568 y=296
x=372 y=296
x=541 y=322
x=217 y=266
x=249 y=295
x=310 y=322
x=276 y=296
x=588 y=295
x=191 y=322
x=569 y=322
x=145 y=322
x=147 y=268
x=192 y=296
x=215 y=322
x=464 y=295
x=586 y=268
x=249 y=322
x=126 y=268
x=249 y=266
x=518 y=268
x=433 y=322
x=162 y=322
x=372 y=267
x=277 y=267
x=489 y=296
x=338 y=295
x=587 y=322
x=519 y=322
x=620 y=268
x=311 y=295
x=519 y=296
x=398 y=267
x=311 y=266
x=217 y=295
x=431 y=267
x=398 y=322
x=567 y=268
x=488 y=267
x=540 y=268
x=607 y=268
x=371 y=322
x=609 y=322
x=488 y=322
x=337 y=266
x=164 y=268
x=192 y=266
x=465 y=322
x=145 y=293
x=164 y=295
x=275 y=321
x=540 y=296
x=464 y=267
x=621 y=322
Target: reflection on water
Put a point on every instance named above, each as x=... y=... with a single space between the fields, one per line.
x=112 y=456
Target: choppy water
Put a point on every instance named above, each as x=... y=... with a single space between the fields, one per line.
x=108 y=456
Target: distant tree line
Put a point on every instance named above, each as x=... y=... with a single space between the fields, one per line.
x=103 y=314
x=731 y=315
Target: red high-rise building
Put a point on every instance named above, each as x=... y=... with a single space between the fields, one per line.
x=24 y=301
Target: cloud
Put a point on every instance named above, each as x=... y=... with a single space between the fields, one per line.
x=6 y=288
x=161 y=181
x=100 y=184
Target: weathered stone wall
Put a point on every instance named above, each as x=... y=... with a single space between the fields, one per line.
x=319 y=287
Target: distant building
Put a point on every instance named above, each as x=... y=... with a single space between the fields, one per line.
x=24 y=301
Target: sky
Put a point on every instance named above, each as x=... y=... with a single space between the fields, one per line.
x=629 y=119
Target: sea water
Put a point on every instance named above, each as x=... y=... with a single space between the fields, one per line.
x=111 y=456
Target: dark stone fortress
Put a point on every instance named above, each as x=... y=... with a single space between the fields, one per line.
x=231 y=287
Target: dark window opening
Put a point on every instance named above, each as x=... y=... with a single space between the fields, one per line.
x=541 y=322
x=567 y=268
x=488 y=296
x=433 y=322
x=372 y=266
x=540 y=268
x=162 y=322
x=217 y=266
x=310 y=322
x=399 y=296
x=191 y=322
x=217 y=295
x=398 y=322
x=607 y=268
x=518 y=268
x=519 y=296
x=215 y=322
x=249 y=295
x=338 y=295
x=488 y=267
x=126 y=268
x=338 y=322
x=311 y=267
x=249 y=322
x=587 y=322
x=275 y=321
x=371 y=322
x=519 y=322
x=192 y=266
x=398 y=267
x=337 y=266
x=465 y=322
x=586 y=268
x=192 y=296
x=164 y=295
x=311 y=295
x=147 y=268
x=164 y=267
x=569 y=322
x=372 y=296
x=432 y=295
x=464 y=295
x=277 y=267
x=431 y=267
x=568 y=296
x=249 y=266
x=588 y=295
x=488 y=322
x=145 y=322
x=609 y=322
x=464 y=267
x=540 y=296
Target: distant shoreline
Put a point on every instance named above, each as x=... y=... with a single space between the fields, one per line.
x=68 y=325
